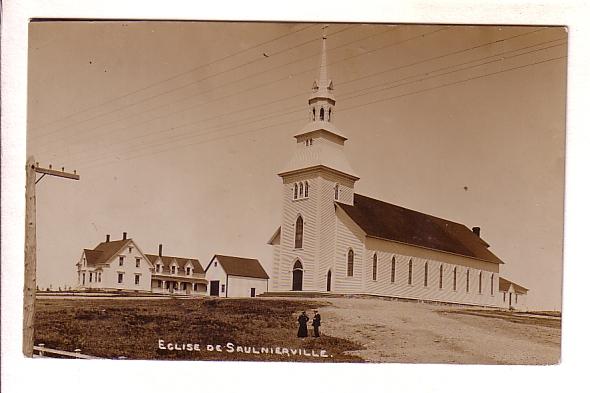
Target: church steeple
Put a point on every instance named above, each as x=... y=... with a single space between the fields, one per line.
x=322 y=101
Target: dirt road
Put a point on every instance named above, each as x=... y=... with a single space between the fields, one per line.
x=407 y=332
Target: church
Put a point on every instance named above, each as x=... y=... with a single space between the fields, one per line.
x=334 y=240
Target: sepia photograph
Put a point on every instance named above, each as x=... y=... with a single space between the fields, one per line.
x=300 y=192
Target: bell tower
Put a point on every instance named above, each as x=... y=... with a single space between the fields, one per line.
x=317 y=175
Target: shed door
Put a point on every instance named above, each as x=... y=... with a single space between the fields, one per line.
x=252 y=292
x=214 y=288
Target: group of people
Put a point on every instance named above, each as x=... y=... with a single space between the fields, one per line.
x=303 y=319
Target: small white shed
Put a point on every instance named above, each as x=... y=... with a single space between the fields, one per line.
x=235 y=277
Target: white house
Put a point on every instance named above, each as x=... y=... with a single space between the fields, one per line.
x=118 y=265
x=513 y=295
x=236 y=277
x=177 y=275
x=121 y=265
x=334 y=240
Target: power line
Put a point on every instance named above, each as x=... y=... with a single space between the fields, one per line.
x=172 y=77
x=265 y=84
x=355 y=106
x=346 y=96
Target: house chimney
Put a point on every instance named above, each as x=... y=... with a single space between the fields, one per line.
x=108 y=238
x=124 y=235
x=160 y=250
x=476 y=230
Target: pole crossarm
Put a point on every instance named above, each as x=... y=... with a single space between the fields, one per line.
x=53 y=172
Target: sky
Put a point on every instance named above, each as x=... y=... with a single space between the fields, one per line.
x=178 y=131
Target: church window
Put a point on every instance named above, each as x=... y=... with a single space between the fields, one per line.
x=313 y=113
x=321 y=114
x=393 y=268
x=410 y=273
x=310 y=141
x=306 y=189
x=467 y=281
x=295 y=191
x=454 y=279
x=426 y=274
x=492 y=285
x=329 y=114
x=336 y=192
x=350 y=264
x=300 y=190
x=375 y=267
x=299 y=232
x=479 y=284
x=440 y=277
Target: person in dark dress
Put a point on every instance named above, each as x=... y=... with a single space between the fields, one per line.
x=316 y=322
x=303 y=318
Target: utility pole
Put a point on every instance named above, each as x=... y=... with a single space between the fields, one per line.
x=31 y=248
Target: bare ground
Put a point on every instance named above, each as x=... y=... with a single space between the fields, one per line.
x=408 y=332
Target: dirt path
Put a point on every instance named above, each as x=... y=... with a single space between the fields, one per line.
x=405 y=332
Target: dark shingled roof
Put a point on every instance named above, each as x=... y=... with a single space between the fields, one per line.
x=243 y=267
x=167 y=260
x=103 y=252
x=504 y=286
x=386 y=221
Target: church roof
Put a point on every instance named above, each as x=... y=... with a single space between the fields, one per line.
x=242 y=267
x=387 y=221
x=319 y=126
x=504 y=286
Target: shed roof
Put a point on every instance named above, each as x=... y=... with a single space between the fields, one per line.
x=391 y=222
x=238 y=266
x=504 y=286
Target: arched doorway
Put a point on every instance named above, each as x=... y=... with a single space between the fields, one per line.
x=297 y=276
x=329 y=281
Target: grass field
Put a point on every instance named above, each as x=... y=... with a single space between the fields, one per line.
x=111 y=328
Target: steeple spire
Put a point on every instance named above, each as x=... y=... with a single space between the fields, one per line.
x=322 y=87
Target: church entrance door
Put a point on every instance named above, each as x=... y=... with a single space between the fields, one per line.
x=329 y=281
x=297 y=276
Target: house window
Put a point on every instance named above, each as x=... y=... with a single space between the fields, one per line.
x=159 y=284
x=173 y=269
x=515 y=298
x=90 y=277
x=158 y=268
x=426 y=274
x=454 y=279
x=467 y=281
x=121 y=261
x=129 y=250
x=137 y=279
x=83 y=278
x=137 y=262
x=410 y=273
x=375 y=267
x=350 y=265
x=120 y=278
x=492 y=285
x=393 y=269
x=215 y=264
x=99 y=277
x=299 y=232
x=336 y=192
x=479 y=284
x=306 y=189
x=295 y=191
x=188 y=271
x=222 y=287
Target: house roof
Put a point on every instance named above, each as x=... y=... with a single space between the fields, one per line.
x=387 y=221
x=238 y=266
x=104 y=252
x=181 y=261
x=504 y=286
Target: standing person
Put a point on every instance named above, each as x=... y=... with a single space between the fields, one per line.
x=303 y=318
x=316 y=323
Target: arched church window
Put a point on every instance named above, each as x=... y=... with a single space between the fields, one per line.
x=393 y=269
x=313 y=113
x=426 y=274
x=329 y=114
x=479 y=284
x=336 y=192
x=440 y=277
x=492 y=284
x=350 y=265
x=455 y=279
x=300 y=190
x=295 y=191
x=306 y=189
x=299 y=232
x=321 y=114
x=467 y=281
x=375 y=267
x=410 y=273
